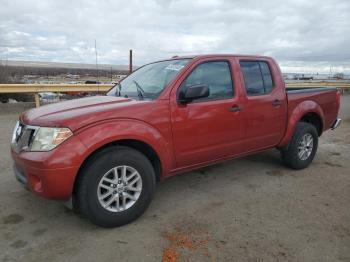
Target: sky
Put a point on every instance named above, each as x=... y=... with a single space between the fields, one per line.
x=309 y=35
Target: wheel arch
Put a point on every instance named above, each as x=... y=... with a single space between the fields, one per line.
x=307 y=111
x=127 y=132
x=138 y=145
x=314 y=119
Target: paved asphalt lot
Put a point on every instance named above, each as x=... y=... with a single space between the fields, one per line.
x=250 y=209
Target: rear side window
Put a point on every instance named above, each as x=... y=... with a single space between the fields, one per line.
x=267 y=78
x=216 y=75
x=257 y=77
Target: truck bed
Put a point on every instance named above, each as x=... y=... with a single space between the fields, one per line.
x=324 y=97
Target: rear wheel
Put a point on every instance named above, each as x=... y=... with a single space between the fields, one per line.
x=115 y=187
x=302 y=147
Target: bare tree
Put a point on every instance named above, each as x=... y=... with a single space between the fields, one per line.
x=4 y=75
x=6 y=78
x=338 y=76
x=3 y=80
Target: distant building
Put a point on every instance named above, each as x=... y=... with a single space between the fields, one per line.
x=30 y=76
x=302 y=77
x=73 y=76
x=338 y=76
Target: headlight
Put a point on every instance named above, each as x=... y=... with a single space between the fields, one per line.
x=47 y=138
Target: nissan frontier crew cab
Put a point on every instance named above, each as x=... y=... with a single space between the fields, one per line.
x=106 y=153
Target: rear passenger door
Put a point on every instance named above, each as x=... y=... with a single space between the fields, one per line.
x=265 y=106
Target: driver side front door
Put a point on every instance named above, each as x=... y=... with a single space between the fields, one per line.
x=208 y=128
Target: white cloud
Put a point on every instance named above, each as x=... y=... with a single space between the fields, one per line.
x=15 y=49
x=62 y=30
x=284 y=43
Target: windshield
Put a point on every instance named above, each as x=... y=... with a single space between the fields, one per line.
x=149 y=81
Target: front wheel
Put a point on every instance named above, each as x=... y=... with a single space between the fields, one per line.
x=115 y=187
x=302 y=147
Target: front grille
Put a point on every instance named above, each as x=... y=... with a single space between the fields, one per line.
x=24 y=137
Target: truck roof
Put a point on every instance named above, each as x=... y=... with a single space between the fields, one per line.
x=216 y=55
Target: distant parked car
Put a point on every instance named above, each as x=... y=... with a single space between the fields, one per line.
x=92 y=82
x=49 y=97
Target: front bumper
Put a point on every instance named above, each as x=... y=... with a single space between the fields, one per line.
x=53 y=184
x=50 y=174
x=336 y=123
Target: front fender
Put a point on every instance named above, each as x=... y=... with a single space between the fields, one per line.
x=100 y=134
x=296 y=115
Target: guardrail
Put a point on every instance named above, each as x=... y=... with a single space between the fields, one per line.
x=35 y=89
x=338 y=84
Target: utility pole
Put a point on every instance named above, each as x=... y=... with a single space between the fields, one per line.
x=111 y=75
x=98 y=80
x=130 y=61
x=96 y=61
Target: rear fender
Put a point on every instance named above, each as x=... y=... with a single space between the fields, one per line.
x=296 y=115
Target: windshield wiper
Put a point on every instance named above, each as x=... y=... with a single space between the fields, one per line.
x=140 y=91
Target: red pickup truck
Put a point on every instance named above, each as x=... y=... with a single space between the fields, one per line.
x=106 y=153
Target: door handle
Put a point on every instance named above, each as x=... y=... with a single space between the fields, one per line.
x=235 y=109
x=277 y=103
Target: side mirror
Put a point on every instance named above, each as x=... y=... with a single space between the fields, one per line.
x=193 y=92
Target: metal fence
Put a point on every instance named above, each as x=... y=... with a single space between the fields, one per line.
x=338 y=84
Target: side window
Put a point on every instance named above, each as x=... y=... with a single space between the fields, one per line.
x=265 y=71
x=216 y=75
x=252 y=78
x=257 y=77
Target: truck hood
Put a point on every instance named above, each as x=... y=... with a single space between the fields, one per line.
x=79 y=112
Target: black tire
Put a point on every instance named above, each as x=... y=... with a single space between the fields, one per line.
x=290 y=154
x=94 y=170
